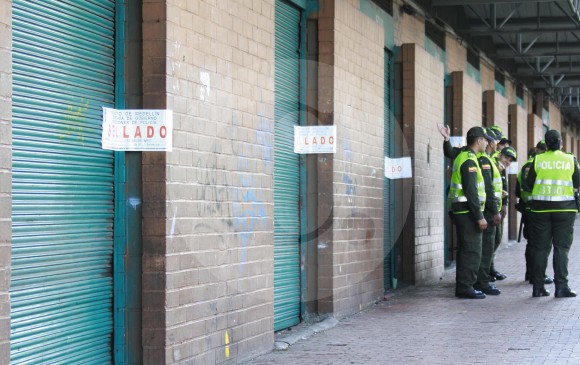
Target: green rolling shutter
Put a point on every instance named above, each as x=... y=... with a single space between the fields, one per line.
x=286 y=168
x=388 y=188
x=63 y=201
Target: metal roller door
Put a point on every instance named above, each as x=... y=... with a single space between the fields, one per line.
x=286 y=168
x=63 y=183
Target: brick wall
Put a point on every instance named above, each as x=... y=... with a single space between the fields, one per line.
x=357 y=249
x=5 y=175
x=408 y=28
x=456 y=55
x=487 y=76
x=528 y=102
x=566 y=140
x=555 y=117
x=518 y=132
x=535 y=131
x=510 y=92
x=500 y=112
x=467 y=103
x=422 y=110
x=212 y=215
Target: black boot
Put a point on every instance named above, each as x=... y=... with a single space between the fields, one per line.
x=564 y=293
x=539 y=291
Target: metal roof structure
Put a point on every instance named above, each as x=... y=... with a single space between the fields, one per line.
x=537 y=42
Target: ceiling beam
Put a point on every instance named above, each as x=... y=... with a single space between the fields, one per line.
x=510 y=30
x=476 y=2
x=525 y=23
x=532 y=55
x=573 y=81
x=540 y=49
x=531 y=73
x=525 y=70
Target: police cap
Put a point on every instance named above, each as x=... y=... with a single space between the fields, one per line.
x=479 y=132
x=510 y=152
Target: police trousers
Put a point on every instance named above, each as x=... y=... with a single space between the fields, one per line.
x=550 y=229
x=468 y=251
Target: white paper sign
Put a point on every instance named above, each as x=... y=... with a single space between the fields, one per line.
x=137 y=130
x=398 y=168
x=513 y=169
x=315 y=139
x=457 y=141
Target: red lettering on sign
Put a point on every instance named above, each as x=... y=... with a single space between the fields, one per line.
x=150 y=131
x=163 y=131
x=322 y=140
x=331 y=140
x=138 y=132
x=314 y=140
x=125 y=135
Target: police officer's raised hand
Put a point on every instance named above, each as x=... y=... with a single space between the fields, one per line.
x=445 y=131
x=497 y=219
x=482 y=224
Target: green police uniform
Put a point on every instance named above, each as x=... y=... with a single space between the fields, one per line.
x=493 y=187
x=525 y=197
x=552 y=179
x=499 y=227
x=467 y=197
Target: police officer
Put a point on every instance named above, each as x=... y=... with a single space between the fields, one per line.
x=523 y=207
x=467 y=196
x=493 y=188
x=495 y=274
x=552 y=178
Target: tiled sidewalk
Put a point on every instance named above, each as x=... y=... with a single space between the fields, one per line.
x=428 y=325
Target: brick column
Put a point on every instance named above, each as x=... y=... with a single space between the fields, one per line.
x=326 y=162
x=5 y=174
x=154 y=188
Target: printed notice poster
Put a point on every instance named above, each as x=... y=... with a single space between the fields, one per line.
x=137 y=130
x=315 y=139
x=513 y=169
x=457 y=141
x=398 y=168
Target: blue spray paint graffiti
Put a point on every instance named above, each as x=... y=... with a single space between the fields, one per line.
x=347 y=167
x=250 y=213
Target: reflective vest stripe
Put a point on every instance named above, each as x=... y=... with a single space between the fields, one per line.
x=555 y=182
x=552 y=198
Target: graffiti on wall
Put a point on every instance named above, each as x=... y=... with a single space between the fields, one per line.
x=75 y=121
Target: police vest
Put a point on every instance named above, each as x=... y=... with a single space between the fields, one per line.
x=554 y=170
x=456 y=193
x=497 y=182
x=524 y=195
